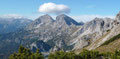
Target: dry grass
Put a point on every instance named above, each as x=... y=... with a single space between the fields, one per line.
x=111 y=47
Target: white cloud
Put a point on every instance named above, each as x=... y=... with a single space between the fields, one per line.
x=54 y=8
x=86 y=18
x=11 y=16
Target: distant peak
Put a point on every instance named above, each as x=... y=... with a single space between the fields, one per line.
x=46 y=15
x=96 y=19
x=118 y=14
x=62 y=15
x=66 y=19
x=44 y=19
x=118 y=17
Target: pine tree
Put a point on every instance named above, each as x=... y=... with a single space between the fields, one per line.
x=24 y=53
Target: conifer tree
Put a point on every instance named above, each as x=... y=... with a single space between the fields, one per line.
x=24 y=53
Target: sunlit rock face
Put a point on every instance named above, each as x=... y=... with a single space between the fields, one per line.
x=52 y=32
x=91 y=31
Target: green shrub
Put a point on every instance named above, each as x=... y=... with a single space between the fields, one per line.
x=71 y=55
x=24 y=53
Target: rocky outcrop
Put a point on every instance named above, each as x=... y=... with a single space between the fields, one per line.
x=44 y=47
x=42 y=21
x=54 y=49
x=91 y=31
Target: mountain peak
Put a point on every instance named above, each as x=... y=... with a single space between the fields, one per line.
x=47 y=15
x=45 y=19
x=97 y=19
x=62 y=15
x=118 y=17
x=66 y=19
x=118 y=14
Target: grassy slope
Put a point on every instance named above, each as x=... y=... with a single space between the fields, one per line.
x=111 y=47
x=111 y=40
x=87 y=47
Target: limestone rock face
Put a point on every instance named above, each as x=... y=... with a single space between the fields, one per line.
x=91 y=31
x=40 y=22
x=54 y=49
x=63 y=33
x=63 y=19
x=118 y=17
x=53 y=32
x=97 y=35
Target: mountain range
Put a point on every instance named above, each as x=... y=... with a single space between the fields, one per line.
x=7 y=24
x=63 y=33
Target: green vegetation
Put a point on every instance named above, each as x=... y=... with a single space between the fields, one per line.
x=111 y=47
x=108 y=30
x=111 y=40
x=85 y=54
x=62 y=55
x=24 y=53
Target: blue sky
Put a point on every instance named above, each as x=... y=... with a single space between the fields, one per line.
x=79 y=8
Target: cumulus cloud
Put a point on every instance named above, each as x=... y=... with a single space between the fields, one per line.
x=86 y=18
x=54 y=8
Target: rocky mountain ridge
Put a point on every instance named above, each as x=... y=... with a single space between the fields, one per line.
x=92 y=31
x=8 y=25
x=108 y=30
x=43 y=33
x=54 y=31
x=64 y=33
